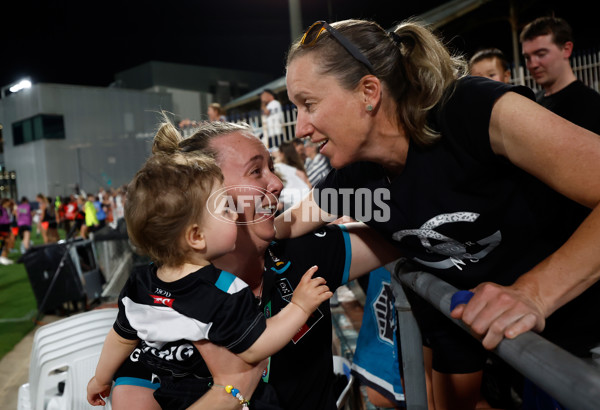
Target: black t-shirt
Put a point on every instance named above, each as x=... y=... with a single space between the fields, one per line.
x=577 y=103
x=302 y=372
x=459 y=210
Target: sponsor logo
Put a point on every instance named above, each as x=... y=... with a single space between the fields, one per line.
x=162 y=292
x=240 y=199
x=178 y=353
x=161 y=300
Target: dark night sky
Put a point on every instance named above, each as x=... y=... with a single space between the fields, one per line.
x=86 y=43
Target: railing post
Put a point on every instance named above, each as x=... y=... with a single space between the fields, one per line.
x=413 y=369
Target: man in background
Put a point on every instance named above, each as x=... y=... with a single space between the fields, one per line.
x=547 y=44
x=273 y=118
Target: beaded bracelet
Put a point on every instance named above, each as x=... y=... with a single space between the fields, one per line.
x=235 y=393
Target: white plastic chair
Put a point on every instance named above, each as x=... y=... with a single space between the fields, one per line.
x=23 y=402
x=65 y=351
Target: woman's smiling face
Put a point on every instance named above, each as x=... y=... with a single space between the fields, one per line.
x=248 y=172
x=328 y=114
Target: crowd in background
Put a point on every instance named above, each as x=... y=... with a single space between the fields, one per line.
x=79 y=215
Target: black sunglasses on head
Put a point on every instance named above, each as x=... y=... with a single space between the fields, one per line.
x=312 y=34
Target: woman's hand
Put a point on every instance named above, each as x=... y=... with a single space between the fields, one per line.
x=495 y=312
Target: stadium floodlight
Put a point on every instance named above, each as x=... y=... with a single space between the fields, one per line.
x=15 y=87
x=21 y=85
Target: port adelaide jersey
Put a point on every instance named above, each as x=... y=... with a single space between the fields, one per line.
x=209 y=304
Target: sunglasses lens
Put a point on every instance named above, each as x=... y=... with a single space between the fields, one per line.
x=312 y=34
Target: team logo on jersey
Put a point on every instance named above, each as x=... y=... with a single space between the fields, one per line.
x=285 y=289
x=454 y=252
x=161 y=300
x=383 y=308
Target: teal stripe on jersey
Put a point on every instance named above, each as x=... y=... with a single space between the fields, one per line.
x=348 y=247
x=225 y=280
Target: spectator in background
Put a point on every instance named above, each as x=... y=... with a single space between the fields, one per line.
x=91 y=217
x=216 y=112
x=300 y=149
x=273 y=121
x=118 y=211
x=6 y=236
x=70 y=209
x=317 y=164
x=100 y=212
x=490 y=63
x=14 y=227
x=80 y=226
x=547 y=44
x=291 y=171
x=24 y=217
x=48 y=221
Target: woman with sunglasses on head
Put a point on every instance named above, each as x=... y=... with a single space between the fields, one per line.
x=486 y=189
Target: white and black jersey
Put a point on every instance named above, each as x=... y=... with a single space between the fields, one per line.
x=301 y=374
x=209 y=304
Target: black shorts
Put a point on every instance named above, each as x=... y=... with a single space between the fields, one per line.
x=175 y=393
x=134 y=373
x=5 y=231
x=23 y=229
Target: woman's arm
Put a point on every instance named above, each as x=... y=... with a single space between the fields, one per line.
x=567 y=158
x=370 y=250
x=302 y=218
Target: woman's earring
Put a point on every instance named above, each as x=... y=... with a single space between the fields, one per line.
x=369 y=108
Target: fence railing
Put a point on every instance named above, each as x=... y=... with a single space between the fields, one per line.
x=572 y=381
x=258 y=124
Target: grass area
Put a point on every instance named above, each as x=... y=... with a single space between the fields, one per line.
x=18 y=307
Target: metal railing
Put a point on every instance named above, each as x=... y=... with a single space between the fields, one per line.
x=572 y=381
x=258 y=123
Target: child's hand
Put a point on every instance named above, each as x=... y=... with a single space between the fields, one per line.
x=311 y=292
x=96 y=392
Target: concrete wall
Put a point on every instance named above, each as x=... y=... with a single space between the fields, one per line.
x=108 y=135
